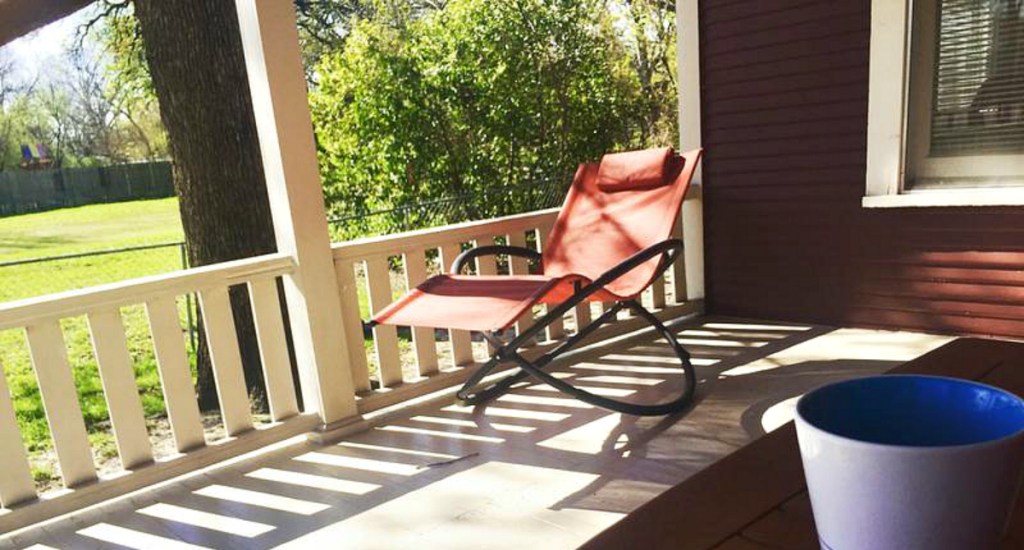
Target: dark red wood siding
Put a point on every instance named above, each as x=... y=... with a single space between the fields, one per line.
x=784 y=107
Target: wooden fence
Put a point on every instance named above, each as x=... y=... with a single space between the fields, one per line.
x=36 y=191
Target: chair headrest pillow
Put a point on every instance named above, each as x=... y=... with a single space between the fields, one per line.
x=634 y=169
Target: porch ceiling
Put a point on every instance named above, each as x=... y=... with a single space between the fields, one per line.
x=20 y=17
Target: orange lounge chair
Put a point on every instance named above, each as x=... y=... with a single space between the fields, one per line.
x=610 y=241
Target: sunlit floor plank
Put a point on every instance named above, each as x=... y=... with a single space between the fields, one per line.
x=206 y=520
x=629 y=369
x=750 y=368
x=439 y=433
x=357 y=463
x=314 y=481
x=470 y=424
x=656 y=359
x=263 y=500
x=131 y=538
x=590 y=438
x=613 y=379
x=525 y=414
x=398 y=450
x=755 y=326
x=567 y=402
x=607 y=392
x=720 y=343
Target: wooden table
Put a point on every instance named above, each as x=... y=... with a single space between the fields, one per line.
x=756 y=497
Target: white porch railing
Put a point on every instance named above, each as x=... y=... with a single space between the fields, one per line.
x=40 y=318
x=427 y=367
x=367 y=263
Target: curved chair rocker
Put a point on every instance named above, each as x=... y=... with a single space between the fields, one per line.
x=610 y=241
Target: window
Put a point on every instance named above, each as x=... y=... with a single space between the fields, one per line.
x=949 y=128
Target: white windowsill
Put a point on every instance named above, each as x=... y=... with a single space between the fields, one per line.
x=958 y=197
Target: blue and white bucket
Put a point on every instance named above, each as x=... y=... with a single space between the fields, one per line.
x=908 y=462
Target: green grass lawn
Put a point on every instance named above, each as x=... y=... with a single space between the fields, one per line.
x=73 y=231
x=88 y=228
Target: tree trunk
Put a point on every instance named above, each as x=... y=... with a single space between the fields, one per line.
x=194 y=52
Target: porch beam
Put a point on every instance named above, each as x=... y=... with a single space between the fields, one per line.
x=20 y=17
x=270 y=40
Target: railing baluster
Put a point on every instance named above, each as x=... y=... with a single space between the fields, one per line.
x=385 y=337
x=583 y=317
x=679 y=269
x=222 y=339
x=555 y=330
x=277 y=369
x=486 y=265
x=60 y=399
x=353 y=324
x=462 y=343
x=120 y=388
x=16 y=481
x=175 y=375
x=422 y=337
x=658 y=292
x=517 y=265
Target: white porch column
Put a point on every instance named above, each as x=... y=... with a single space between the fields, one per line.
x=272 y=57
x=688 y=77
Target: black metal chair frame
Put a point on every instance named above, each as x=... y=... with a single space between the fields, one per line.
x=472 y=394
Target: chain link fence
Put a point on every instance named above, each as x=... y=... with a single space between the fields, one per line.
x=497 y=201
x=28 y=278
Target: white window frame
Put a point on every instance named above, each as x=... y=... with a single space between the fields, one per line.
x=888 y=154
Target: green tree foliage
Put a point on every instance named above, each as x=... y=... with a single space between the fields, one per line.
x=421 y=100
x=325 y=24
x=119 y=33
x=476 y=95
x=88 y=110
x=15 y=115
x=649 y=43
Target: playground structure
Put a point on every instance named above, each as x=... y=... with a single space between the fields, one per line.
x=40 y=160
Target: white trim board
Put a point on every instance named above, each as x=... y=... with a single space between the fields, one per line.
x=888 y=127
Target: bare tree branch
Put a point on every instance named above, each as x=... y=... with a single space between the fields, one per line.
x=108 y=8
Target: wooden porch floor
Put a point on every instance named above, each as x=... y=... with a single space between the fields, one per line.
x=530 y=470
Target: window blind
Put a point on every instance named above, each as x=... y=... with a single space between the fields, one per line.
x=978 y=90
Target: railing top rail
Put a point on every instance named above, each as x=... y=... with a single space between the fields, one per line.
x=436 y=236
x=77 y=302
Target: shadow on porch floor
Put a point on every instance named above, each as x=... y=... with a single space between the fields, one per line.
x=532 y=469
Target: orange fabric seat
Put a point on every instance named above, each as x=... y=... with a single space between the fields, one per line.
x=479 y=302
x=614 y=209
